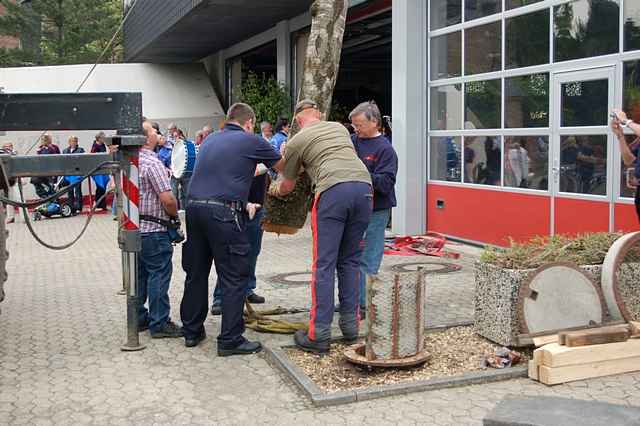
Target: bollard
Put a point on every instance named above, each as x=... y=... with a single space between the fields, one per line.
x=130 y=243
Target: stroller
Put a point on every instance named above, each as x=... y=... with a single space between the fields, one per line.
x=44 y=188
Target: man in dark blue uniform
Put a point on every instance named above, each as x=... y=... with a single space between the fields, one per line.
x=217 y=216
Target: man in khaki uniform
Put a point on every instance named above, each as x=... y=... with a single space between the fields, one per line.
x=340 y=216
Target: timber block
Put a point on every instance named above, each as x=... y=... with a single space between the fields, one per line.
x=555 y=355
x=553 y=411
x=595 y=336
x=571 y=373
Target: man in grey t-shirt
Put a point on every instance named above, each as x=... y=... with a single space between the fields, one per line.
x=340 y=216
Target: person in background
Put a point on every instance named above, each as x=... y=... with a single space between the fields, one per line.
x=199 y=137
x=75 y=195
x=172 y=133
x=47 y=146
x=254 y=231
x=7 y=148
x=266 y=130
x=281 y=135
x=101 y=184
x=378 y=155
x=44 y=185
x=206 y=130
x=629 y=153
x=165 y=149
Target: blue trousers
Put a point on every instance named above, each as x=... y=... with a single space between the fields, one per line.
x=339 y=219
x=254 y=232
x=373 y=249
x=154 y=276
x=75 y=199
x=215 y=234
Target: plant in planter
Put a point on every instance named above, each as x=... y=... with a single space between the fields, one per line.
x=500 y=273
x=269 y=99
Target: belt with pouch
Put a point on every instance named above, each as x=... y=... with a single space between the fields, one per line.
x=233 y=205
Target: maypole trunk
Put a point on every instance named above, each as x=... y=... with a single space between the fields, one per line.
x=288 y=214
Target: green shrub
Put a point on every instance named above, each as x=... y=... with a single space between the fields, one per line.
x=268 y=98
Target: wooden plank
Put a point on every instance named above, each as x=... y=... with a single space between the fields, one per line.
x=533 y=370
x=570 y=373
x=596 y=336
x=527 y=339
x=545 y=340
x=556 y=355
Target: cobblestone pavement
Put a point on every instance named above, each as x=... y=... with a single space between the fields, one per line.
x=62 y=324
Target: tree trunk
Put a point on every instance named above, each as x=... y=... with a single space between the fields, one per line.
x=328 y=19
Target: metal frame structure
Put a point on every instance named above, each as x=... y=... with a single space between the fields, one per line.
x=87 y=111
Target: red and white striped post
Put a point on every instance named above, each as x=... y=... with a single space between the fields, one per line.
x=130 y=242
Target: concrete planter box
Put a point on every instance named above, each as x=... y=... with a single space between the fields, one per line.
x=496 y=299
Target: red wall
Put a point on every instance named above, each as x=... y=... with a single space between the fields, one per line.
x=580 y=216
x=626 y=219
x=487 y=216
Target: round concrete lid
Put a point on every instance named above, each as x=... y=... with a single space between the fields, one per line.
x=559 y=295
x=620 y=298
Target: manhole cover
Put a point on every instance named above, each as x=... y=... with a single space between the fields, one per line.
x=428 y=267
x=291 y=279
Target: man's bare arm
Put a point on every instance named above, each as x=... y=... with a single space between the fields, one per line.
x=169 y=203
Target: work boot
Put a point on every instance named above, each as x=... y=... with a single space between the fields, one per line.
x=191 y=342
x=301 y=338
x=169 y=330
x=216 y=308
x=349 y=326
x=246 y=348
x=255 y=299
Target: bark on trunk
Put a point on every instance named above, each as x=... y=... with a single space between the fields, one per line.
x=321 y=65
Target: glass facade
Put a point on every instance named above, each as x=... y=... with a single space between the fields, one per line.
x=499 y=77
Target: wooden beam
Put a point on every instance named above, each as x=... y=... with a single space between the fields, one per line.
x=545 y=340
x=533 y=370
x=570 y=373
x=556 y=355
x=595 y=336
x=527 y=339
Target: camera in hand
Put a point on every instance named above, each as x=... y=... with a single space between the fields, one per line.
x=173 y=227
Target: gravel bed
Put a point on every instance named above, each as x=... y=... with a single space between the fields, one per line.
x=453 y=352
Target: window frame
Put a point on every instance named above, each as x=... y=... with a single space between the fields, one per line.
x=614 y=59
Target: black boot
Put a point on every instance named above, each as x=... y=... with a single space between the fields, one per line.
x=301 y=338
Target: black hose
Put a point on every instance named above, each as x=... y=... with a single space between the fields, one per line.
x=75 y=240
x=55 y=196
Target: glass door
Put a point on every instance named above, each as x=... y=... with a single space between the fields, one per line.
x=582 y=190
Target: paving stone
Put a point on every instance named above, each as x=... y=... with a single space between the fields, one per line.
x=552 y=411
x=68 y=368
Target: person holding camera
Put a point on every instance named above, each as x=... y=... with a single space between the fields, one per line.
x=157 y=208
x=628 y=153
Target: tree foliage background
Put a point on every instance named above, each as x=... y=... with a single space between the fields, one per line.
x=55 y=32
x=269 y=99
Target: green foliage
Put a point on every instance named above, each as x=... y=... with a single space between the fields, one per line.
x=269 y=99
x=56 y=32
x=339 y=113
x=584 y=249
